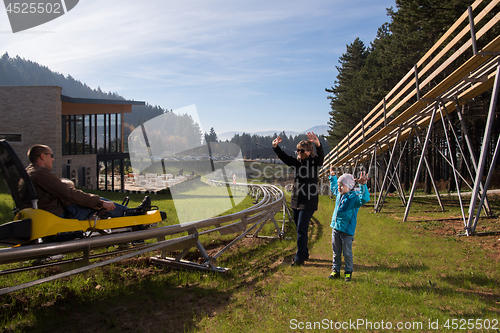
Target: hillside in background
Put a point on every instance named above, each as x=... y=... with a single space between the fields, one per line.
x=21 y=72
x=318 y=130
x=17 y=71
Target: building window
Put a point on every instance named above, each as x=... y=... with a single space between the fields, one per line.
x=91 y=134
x=111 y=173
x=87 y=135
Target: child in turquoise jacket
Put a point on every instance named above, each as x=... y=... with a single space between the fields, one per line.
x=344 y=218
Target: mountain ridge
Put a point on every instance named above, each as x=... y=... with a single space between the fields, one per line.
x=318 y=130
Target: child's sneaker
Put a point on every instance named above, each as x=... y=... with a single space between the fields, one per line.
x=334 y=275
x=348 y=276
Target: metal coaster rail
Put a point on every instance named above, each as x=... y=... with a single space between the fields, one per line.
x=269 y=200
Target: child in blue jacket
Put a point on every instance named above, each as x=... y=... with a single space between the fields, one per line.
x=344 y=218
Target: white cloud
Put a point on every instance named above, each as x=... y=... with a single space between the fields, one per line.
x=255 y=52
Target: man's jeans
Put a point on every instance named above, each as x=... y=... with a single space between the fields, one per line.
x=83 y=213
x=342 y=242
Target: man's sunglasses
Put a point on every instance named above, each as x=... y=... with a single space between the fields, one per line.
x=300 y=151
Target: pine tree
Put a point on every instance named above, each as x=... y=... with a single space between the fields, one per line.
x=346 y=103
x=212 y=136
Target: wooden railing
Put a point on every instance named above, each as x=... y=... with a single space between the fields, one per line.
x=393 y=120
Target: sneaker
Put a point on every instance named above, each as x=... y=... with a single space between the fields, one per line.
x=144 y=207
x=145 y=204
x=334 y=275
x=348 y=276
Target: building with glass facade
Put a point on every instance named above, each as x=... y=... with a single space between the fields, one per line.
x=86 y=135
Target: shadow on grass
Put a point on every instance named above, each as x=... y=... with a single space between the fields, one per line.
x=150 y=301
x=492 y=300
x=152 y=306
x=405 y=269
x=464 y=280
x=315 y=233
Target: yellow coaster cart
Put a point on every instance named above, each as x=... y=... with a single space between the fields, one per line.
x=33 y=225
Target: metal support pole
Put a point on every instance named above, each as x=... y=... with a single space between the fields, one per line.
x=472 y=30
x=375 y=177
x=486 y=203
x=471 y=152
x=396 y=172
x=452 y=159
x=371 y=163
x=420 y=163
x=394 y=176
x=385 y=114
x=465 y=134
x=355 y=167
x=416 y=82
x=388 y=169
x=484 y=148
x=488 y=180
x=429 y=170
x=368 y=173
x=396 y=181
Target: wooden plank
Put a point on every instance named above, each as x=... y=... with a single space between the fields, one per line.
x=468 y=66
x=369 y=131
x=389 y=101
x=455 y=40
x=448 y=33
x=461 y=72
x=473 y=63
x=450 y=106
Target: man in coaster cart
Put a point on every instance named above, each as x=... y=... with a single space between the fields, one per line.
x=62 y=200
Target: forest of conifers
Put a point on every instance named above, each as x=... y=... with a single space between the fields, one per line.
x=367 y=73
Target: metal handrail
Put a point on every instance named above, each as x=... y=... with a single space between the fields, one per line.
x=272 y=201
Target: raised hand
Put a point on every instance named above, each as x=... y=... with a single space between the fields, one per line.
x=363 y=178
x=277 y=141
x=313 y=138
x=332 y=172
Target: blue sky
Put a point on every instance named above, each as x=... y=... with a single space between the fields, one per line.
x=248 y=66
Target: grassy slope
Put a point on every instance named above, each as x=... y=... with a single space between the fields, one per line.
x=400 y=276
x=403 y=273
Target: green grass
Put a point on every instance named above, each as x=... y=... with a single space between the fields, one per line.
x=404 y=273
x=400 y=277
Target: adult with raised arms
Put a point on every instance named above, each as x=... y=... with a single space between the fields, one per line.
x=304 y=201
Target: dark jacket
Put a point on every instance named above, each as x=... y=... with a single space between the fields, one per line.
x=52 y=192
x=305 y=188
